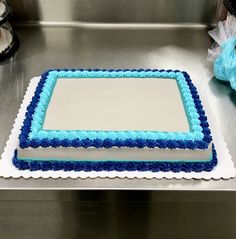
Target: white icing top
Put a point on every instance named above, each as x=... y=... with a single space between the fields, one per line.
x=116 y=104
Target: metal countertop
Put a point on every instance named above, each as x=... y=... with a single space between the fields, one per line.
x=109 y=46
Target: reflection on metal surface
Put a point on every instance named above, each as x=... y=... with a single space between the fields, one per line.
x=117 y=215
x=139 y=47
x=113 y=11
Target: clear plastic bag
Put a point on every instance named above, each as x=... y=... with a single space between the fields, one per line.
x=223 y=51
x=225 y=63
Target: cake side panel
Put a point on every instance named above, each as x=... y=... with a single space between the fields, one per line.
x=118 y=166
x=114 y=154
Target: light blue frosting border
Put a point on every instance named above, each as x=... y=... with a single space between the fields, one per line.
x=37 y=131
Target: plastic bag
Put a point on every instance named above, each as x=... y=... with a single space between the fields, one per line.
x=223 y=51
x=225 y=63
x=224 y=31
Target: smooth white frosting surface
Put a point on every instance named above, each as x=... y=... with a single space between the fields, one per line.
x=117 y=104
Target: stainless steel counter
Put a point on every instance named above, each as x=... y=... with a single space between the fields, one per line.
x=114 y=46
x=113 y=11
x=116 y=214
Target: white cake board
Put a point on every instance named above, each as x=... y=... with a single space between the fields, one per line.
x=224 y=169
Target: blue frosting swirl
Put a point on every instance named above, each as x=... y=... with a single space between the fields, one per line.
x=32 y=134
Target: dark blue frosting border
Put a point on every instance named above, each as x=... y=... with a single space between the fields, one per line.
x=117 y=166
x=107 y=143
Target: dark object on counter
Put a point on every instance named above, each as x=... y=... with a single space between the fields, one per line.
x=4 y=12
x=11 y=48
x=8 y=40
x=231 y=6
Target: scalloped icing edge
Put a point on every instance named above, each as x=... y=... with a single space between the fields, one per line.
x=181 y=77
x=224 y=170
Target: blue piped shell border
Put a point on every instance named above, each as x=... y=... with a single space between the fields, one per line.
x=201 y=141
x=117 y=166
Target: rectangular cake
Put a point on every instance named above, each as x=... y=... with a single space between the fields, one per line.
x=122 y=120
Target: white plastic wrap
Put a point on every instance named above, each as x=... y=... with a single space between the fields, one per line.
x=224 y=31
